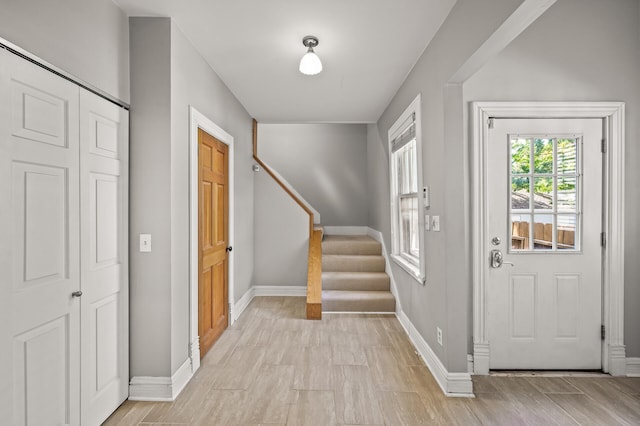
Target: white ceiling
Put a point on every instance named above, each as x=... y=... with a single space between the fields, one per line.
x=367 y=48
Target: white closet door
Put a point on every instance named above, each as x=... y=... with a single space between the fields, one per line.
x=39 y=246
x=104 y=274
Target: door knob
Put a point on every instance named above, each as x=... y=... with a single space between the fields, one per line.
x=497 y=259
x=229 y=249
x=76 y=293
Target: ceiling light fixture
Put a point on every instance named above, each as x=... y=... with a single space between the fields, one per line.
x=310 y=63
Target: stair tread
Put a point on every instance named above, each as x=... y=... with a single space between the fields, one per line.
x=352 y=263
x=351 y=244
x=357 y=294
x=355 y=274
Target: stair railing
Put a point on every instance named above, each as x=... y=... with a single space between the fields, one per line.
x=314 y=271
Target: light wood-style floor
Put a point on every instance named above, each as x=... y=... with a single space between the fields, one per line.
x=275 y=367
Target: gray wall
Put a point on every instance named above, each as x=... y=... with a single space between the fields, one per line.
x=168 y=76
x=578 y=50
x=150 y=197
x=325 y=163
x=88 y=39
x=194 y=83
x=281 y=236
x=582 y=50
x=445 y=300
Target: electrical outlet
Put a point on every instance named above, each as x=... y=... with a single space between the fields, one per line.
x=439 y=335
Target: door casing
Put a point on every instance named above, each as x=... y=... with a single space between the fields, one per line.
x=612 y=113
x=198 y=120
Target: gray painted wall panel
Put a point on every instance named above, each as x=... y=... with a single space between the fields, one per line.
x=168 y=76
x=281 y=236
x=325 y=163
x=88 y=39
x=444 y=301
x=150 y=197
x=194 y=83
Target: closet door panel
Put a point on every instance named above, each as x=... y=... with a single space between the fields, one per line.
x=39 y=246
x=104 y=234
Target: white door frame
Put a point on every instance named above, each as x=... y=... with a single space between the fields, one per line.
x=612 y=113
x=197 y=121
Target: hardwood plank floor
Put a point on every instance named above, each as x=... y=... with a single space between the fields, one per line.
x=275 y=367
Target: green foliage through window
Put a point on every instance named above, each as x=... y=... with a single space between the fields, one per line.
x=543 y=160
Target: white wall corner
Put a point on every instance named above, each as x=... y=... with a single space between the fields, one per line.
x=481 y=358
x=194 y=354
x=633 y=367
x=377 y=235
x=617 y=360
x=452 y=384
x=181 y=377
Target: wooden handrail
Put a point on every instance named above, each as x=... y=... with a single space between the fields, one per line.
x=314 y=273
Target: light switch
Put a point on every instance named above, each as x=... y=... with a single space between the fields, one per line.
x=435 y=223
x=145 y=242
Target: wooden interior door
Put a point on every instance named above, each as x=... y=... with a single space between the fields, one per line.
x=213 y=197
x=39 y=247
x=104 y=275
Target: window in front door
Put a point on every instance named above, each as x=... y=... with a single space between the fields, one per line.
x=545 y=193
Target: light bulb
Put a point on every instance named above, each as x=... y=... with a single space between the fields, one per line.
x=310 y=63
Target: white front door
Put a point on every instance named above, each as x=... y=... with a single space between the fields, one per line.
x=39 y=246
x=544 y=192
x=104 y=276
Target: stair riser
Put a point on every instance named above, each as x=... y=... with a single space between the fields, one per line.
x=356 y=284
x=352 y=264
x=387 y=305
x=348 y=248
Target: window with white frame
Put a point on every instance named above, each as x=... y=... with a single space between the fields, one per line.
x=406 y=196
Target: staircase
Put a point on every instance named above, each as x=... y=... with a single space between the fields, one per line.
x=353 y=275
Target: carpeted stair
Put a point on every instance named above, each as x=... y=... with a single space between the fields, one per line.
x=353 y=275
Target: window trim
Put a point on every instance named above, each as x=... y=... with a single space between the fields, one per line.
x=418 y=272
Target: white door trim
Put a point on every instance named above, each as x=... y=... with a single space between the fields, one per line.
x=612 y=113
x=198 y=120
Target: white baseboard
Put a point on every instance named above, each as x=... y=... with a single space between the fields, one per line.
x=263 y=290
x=143 y=388
x=617 y=360
x=481 y=359
x=452 y=384
x=194 y=353
x=358 y=313
x=238 y=308
x=181 y=377
x=274 y=290
x=633 y=367
x=345 y=230
x=377 y=235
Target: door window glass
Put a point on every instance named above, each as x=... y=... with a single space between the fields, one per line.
x=545 y=193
